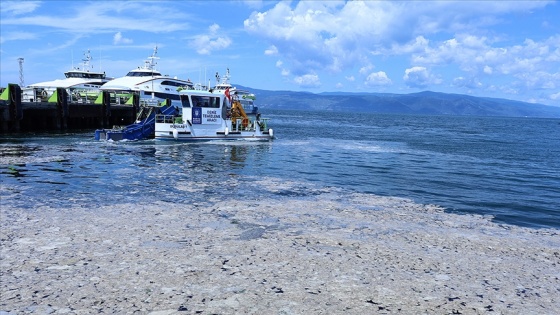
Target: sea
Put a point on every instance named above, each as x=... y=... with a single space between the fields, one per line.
x=507 y=169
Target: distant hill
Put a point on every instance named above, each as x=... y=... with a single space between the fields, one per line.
x=431 y=103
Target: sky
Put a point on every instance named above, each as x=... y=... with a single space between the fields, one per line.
x=500 y=49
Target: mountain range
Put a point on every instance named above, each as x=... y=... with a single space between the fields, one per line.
x=427 y=102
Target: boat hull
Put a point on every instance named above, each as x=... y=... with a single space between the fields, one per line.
x=184 y=132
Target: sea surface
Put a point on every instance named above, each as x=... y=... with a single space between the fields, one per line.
x=506 y=168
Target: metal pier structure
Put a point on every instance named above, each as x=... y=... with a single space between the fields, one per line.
x=61 y=113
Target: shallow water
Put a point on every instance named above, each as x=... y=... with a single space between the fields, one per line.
x=504 y=167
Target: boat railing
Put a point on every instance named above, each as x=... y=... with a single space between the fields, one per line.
x=246 y=124
x=264 y=123
x=149 y=102
x=167 y=119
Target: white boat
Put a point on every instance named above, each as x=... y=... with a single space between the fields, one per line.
x=215 y=114
x=82 y=84
x=152 y=87
x=244 y=97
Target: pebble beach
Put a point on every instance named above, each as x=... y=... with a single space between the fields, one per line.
x=361 y=254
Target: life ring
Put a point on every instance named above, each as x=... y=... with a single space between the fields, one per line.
x=44 y=93
x=245 y=122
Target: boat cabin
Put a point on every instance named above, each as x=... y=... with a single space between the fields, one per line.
x=203 y=107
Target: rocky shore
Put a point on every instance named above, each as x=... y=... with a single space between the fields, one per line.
x=362 y=254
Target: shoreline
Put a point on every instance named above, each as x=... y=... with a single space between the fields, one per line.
x=315 y=255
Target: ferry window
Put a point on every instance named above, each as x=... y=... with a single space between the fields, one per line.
x=172 y=83
x=167 y=95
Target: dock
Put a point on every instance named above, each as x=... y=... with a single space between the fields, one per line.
x=61 y=112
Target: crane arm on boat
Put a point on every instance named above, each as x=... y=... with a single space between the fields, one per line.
x=237 y=112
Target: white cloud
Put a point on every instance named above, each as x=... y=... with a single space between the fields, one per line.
x=555 y=97
x=366 y=69
x=103 y=16
x=378 y=79
x=470 y=83
x=419 y=77
x=350 y=78
x=119 y=39
x=256 y=4
x=339 y=34
x=17 y=36
x=271 y=51
x=417 y=45
x=541 y=80
x=19 y=7
x=456 y=37
x=206 y=43
x=529 y=63
x=308 y=81
x=283 y=71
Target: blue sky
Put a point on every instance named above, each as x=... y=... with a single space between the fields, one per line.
x=504 y=49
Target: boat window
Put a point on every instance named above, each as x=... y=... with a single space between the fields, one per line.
x=172 y=83
x=174 y=97
x=205 y=101
x=167 y=95
x=142 y=74
x=185 y=101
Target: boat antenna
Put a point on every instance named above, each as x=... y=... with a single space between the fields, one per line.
x=226 y=77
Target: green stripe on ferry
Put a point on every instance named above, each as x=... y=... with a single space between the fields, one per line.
x=99 y=99
x=54 y=97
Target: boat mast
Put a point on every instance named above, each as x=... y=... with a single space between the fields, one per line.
x=86 y=61
x=150 y=64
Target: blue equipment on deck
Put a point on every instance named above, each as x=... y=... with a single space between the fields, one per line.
x=143 y=128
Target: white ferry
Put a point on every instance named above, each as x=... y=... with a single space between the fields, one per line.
x=215 y=114
x=82 y=84
x=152 y=87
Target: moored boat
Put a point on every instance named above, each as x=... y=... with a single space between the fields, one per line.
x=215 y=114
x=152 y=87
x=81 y=83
